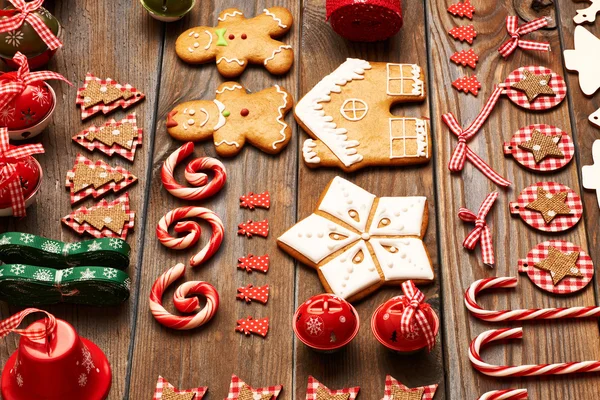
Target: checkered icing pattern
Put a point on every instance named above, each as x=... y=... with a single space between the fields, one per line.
x=543 y=280
x=542 y=102
x=69 y=220
x=535 y=220
x=129 y=154
x=76 y=197
x=237 y=384
x=105 y=109
x=390 y=382
x=313 y=385
x=162 y=383
x=526 y=159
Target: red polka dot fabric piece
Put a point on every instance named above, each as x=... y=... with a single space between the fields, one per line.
x=535 y=219
x=463 y=33
x=542 y=102
x=543 y=279
x=252 y=200
x=467 y=84
x=254 y=263
x=527 y=159
x=462 y=9
x=249 y=293
x=465 y=57
x=251 y=228
x=250 y=325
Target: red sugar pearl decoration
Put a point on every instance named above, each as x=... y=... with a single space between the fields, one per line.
x=231 y=37
x=244 y=36
x=244 y=112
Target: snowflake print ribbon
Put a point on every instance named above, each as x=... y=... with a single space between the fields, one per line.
x=481 y=233
x=10 y=325
x=22 y=12
x=15 y=84
x=9 y=156
x=515 y=31
x=414 y=313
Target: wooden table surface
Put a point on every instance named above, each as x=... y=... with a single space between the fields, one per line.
x=118 y=39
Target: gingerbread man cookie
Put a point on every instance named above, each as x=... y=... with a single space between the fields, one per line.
x=235 y=117
x=237 y=41
x=347 y=114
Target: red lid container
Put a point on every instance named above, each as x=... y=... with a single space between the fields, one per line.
x=326 y=322
x=64 y=366
x=385 y=325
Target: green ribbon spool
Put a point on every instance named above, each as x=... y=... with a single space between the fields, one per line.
x=25 y=248
x=27 y=285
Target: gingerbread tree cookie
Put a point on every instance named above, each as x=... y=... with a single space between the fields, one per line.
x=236 y=42
x=235 y=117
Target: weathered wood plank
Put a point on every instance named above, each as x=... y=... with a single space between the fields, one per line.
x=545 y=342
x=209 y=355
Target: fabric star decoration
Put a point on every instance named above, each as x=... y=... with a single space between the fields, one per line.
x=394 y=390
x=549 y=205
x=240 y=390
x=169 y=394
x=543 y=146
x=317 y=391
x=358 y=241
x=165 y=391
x=534 y=85
x=560 y=265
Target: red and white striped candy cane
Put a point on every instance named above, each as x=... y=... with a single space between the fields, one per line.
x=507 y=394
x=505 y=371
x=182 y=303
x=204 y=188
x=193 y=230
x=519 y=315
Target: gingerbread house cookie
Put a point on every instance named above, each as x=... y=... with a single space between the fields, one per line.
x=347 y=114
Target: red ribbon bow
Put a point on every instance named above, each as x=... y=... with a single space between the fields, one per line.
x=17 y=83
x=9 y=156
x=463 y=152
x=481 y=231
x=10 y=325
x=515 y=31
x=414 y=312
x=24 y=12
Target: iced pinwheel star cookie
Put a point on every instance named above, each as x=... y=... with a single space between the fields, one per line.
x=358 y=242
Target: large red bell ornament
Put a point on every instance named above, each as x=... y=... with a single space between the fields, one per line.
x=387 y=321
x=326 y=322
x=53 y=363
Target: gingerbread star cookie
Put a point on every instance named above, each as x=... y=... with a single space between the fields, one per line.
x=234 y=118
x=236 y=42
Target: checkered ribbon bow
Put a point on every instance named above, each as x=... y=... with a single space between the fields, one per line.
x=515 y=31
x=414 y=313
x=9 y=156
x=481 y=231
x=462 y=152
x=15 y=83
x=22 y=12
x=10 y=325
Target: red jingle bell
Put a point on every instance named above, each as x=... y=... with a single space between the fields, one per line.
x=53 y=362
x=387 y=324
x=326 y=322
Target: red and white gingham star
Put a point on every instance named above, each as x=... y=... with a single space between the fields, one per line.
x=313 y=386
x=390 y=382
x=162 y=383
x=236 y=385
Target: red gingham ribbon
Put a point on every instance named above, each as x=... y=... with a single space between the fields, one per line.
x=414 y=313
x=481 y=231
x=23 y=78
x=10 y=325
x=515 y=31
x=462 y=151
x=9 y=156
x=24 y=12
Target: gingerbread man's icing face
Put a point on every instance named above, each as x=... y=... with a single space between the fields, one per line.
x=235 y=117
x=237 y=41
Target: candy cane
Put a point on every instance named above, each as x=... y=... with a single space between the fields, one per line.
x=193 y=230
x=504 y=371
x=507 y=394
x=204 y=189
x=182 y=303
x=519 y=315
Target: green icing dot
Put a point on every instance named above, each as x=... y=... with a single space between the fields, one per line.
x=226 y=113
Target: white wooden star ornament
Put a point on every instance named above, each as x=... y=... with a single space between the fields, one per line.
x=585 y=59
x=591 y=173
